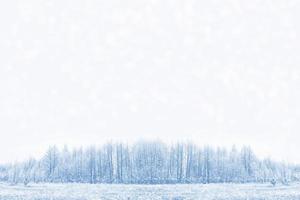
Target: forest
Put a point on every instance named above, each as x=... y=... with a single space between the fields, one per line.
x=148 y=162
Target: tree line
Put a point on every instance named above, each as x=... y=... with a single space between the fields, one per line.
x=147 y=162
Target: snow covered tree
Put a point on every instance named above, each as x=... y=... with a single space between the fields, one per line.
x=50 y=161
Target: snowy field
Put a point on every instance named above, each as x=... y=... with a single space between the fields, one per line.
x=149 y=192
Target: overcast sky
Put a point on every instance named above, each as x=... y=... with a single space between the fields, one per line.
x=217 y=72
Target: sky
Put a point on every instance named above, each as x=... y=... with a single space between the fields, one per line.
x=218 y=72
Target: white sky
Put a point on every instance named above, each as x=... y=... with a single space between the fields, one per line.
x=82 y=72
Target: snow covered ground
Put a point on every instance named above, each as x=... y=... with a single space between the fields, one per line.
x=149 y=192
